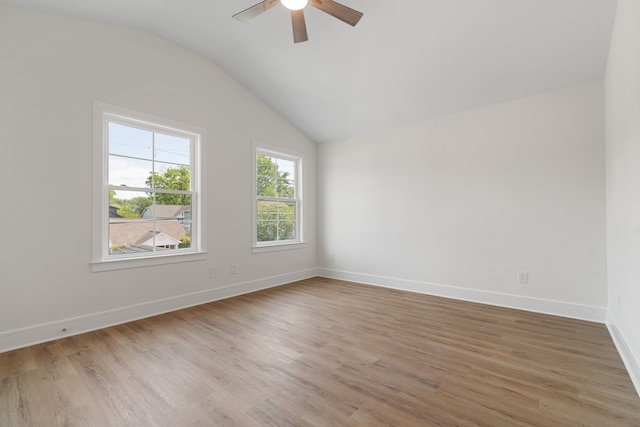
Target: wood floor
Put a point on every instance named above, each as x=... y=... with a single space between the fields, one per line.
x=325 y=353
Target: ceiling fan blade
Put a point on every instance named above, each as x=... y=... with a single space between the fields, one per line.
x=299 y=26
x=337 y=10
x=255 y=10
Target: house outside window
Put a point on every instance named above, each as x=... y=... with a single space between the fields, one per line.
x=147 y=188
x=277 y=213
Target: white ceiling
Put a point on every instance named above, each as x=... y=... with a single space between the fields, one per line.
x=406 y=60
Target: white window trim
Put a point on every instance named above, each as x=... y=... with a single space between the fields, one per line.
x=282 y=245
x=101 y=261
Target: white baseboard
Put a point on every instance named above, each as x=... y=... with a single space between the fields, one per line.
x=23 y=337
x=630 y=362
x=538 y=305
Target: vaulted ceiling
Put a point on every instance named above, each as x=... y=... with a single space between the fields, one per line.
x=406 y=60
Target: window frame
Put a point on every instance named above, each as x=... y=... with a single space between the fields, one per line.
x=102 y=260
x=298 y=159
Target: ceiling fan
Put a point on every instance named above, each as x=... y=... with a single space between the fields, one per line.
x=337 y=10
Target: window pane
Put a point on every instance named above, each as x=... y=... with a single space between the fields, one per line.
x=275 y=177
x=266 y=186
x=135 y=235
x=287 y=167
x=287 y=211
x=172 y=149
x=286 y=230
x=276 y=221
x=130 y=235
x=266 y=166
x=285 y=186
x=266 y=176
x=128 y=204
x=129 y=141
x=172 y=177
x=286 y=221
x=267 y=221
x=267 y=211
x=171 y=212
x=170 y=235
x=267 y=231
x=185 y=241
x=129 y=172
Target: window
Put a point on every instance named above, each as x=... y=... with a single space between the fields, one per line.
x=148 y=188
x=278 y=202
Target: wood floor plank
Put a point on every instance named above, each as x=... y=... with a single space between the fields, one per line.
x=323 y=352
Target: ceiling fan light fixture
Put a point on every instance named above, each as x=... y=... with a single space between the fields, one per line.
x=294 y=4
x=331 y=7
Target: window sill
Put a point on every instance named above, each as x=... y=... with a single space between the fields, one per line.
x=278 y=247
x=119 y=264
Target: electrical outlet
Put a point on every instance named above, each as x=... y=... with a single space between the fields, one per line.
x=212 y=273
x=523 y=277
x=234 y=268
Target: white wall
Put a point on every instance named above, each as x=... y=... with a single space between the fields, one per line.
x=52 y=69
x=622 y=84
x=455 y=206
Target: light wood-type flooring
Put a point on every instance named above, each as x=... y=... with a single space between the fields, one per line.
x=322 y=352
